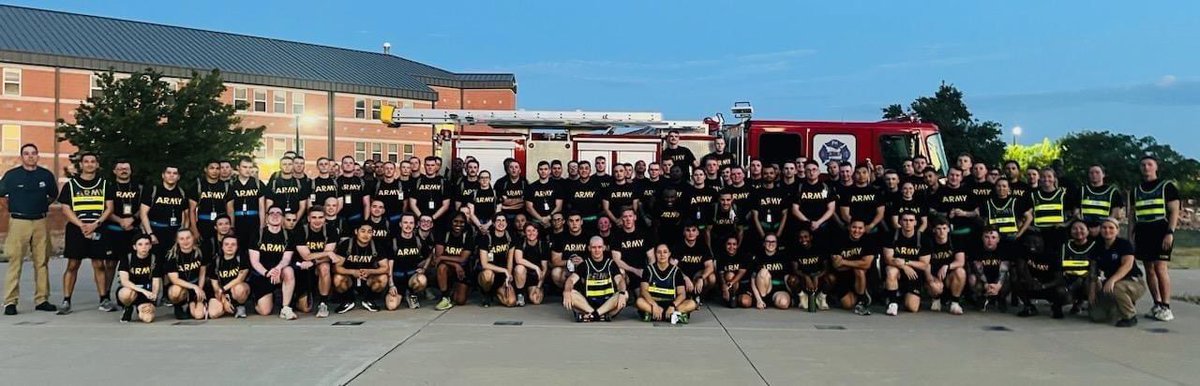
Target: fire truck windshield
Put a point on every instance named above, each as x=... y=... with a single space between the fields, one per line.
x=937 y=153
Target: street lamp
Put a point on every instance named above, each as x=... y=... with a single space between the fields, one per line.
x=1016 y=131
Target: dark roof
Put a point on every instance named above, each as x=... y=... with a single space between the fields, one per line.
x=52 y=38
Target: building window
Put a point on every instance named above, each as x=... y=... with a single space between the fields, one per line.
x=297 y=103
x=376 y=151
x=260 y=101
x=239 y=99
x=97 y=87
x=408 y=150
x=12 y=81
x=375 y=105
x=280 y=102
x=360 y=108
x=278 y=147
x=392 y=154
x=360 y=151
x=10 y=139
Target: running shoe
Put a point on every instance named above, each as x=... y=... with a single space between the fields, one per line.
x=861 y=309
x=413 y=301
x=106 y=305
x=346 y=307
x=520 y=300
x=65 y=308
x=1132 y=321
x=45 y=306
x=1165 y=314
x=239 y=312
x=370 y=306
x=893 y=309
x=1154 y=312
x=803 y=302
x=445 y=304
x=822 y=302
x=955 y=308
x=675 y=317
x=322 y=310
x=286 y=313
x=683 y=318
x=935 y=306
x=127 y=315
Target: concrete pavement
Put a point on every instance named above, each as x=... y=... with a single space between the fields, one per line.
x=464 y=346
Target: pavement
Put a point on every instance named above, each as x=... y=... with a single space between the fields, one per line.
x=465 y=346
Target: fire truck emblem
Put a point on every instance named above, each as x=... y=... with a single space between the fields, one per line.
x=834 y=150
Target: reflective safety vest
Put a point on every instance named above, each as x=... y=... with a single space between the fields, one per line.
x=1094 y=206
x=662 y=288
x=87 y=201
x=597 y=282
x=1151 y=206
x=1075 y=261
x=1049 y=211
x=1003 y=217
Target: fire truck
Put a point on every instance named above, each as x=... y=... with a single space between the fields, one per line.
x=491 y=136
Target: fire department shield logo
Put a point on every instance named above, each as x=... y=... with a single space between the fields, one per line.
x=834 y=147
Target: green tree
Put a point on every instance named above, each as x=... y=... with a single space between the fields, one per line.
x=1038 y=155
x=143 y=120
x=1120 y=153
x=961 y=132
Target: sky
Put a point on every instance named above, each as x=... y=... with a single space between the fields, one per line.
x=1050 y=67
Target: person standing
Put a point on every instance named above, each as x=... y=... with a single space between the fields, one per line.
x=682 y=156
x=29 y=189
x=87 y=200
x=248 y=203
x=164 y=207
x=1098 y=200
x=1156 y=214
x=122 y=226
x=209 y=200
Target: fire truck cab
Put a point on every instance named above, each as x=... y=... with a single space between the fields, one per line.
x=880 y=143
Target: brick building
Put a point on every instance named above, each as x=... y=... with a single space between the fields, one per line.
x=328 y=97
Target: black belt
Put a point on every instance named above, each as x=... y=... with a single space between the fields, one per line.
x=26 y=216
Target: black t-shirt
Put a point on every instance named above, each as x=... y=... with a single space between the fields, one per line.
x=981 y=190
x=166 y=205
x=946 y=199
x=392 y=195
x=315 y=240
x=731 y=263
x=691 y=259
x=605 y=180
x=210 y=198
x=126 y=199
x=917 y=181
x=186 y=264
x=323 y=188
x=771 y=204
x=620 y=196
x=497 y=246
x=633 y=245
x=410 y=252
x=988 y=263
x=429 y=192
x=225 y=270
x=1044 y=267
x=776 y=264
x=682 y=156
x=699 y=203
x=507 y=189
x=359 y=256
x=899 y=205
x=569 y=245
x=141 y=271
x=725 y=223
x=585 y=197
x=246 y=195
x=543 y=195
x=87 y=211
x=814 y=199
x=466 y=190
x=536 y=253
x=1020 y=190
x=383 y=232
x=287 y=193
x=909 y=248
x=596 y=279
x=271 y=247
x=810 y=260
x=856 y=249
x=1108 y=259
x=723 y=159
x=352 y=190
x=940 y=254
x=863 y=202
x=454 y=244
x=742 y=198
x=487 y=202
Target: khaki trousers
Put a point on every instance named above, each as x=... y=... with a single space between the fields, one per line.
x=1121 y=303
x=27 y=236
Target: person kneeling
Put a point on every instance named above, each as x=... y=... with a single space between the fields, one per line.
x=228 y=281
x=907 y=260
x=770 y=279
x=1117 y=280
x=663 y=296
x=140 y=278
x=362 y=272
x=1040 y=276
x=596 y=290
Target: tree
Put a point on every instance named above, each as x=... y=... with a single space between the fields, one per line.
x=1038 y=155
x=1120 y=154
x=141 y=119
x=961 y=132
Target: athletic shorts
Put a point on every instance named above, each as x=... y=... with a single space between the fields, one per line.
x=778 y=285
x=401 y=278
x=120 y=241
x=912 y=286
x=596 y=302
x=76 y=246
x=261 y=286
x=1147 y=240
x=843 y=284
x=497 y=282
x=306 y=280
x=140 y=298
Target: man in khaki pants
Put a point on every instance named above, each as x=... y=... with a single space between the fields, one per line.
x=29 y=189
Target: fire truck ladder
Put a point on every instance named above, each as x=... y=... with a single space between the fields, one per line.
x=521 y=118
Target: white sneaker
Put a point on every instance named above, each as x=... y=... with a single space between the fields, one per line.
x=822 y=303
x=520 y=300
x=322 y=310
x=286 y=313
x=675 y=317
x=803 y=304
x=893 y=309
x=1154 y=312
x=1164 y=314
x=955 y=308
x=935 y=306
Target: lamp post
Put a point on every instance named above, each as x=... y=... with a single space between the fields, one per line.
x=1016 y=131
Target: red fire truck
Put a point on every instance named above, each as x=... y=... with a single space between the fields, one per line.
x=533 y=136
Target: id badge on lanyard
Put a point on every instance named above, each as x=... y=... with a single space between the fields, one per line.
x=127 y=209
x=346 y=199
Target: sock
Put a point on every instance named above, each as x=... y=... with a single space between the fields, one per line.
x=1166 y=305
x=67 y=299
x=103 y=297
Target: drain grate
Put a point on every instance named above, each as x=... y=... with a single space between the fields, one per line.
x=997 y=328
x=188 y=323
x=1158 y=330
x=830 y=327
x=508 y=323
x=349 y=323
x=30 y=323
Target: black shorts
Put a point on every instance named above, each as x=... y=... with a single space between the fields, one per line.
x=140 y=298
x=498 y=280
x=401 y=278
x=843 y=284
x=76 y=246
x=1147 y=240
x=306 y=280
x=261 y=286
x=913 y=286
x=120 y=241
x=596 y=302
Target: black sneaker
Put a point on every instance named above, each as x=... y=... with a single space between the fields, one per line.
x=127 y=315
x=45 y=306
x=1028 y=311
x=486 y=302
x=1132 y=321
x=181 y=314
x=10 y=309
x=370 y=306
x=346 y=307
